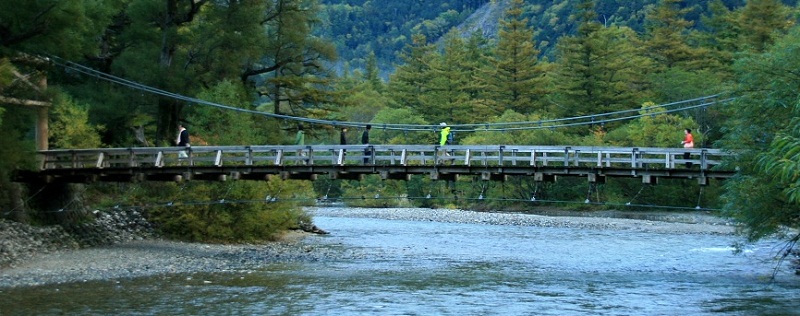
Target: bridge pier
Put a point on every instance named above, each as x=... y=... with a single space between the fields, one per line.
x=386 y=175
x=649 y=179
x=250 y=176
x=541 y=177
x=285 y=175
x=346 y=176
x=494 y=176
x=210 y=177
x=168 y=177
x=443 y=176
x=596 y=178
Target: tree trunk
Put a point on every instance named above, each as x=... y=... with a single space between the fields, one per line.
x=20 y=210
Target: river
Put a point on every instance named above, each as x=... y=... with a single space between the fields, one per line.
x=411 y=267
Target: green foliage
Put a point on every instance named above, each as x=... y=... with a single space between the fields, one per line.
x=70 y=127
x=445 y=96
x=655 y=128
x=542 y=136
x=244 y=211
x=17 y=148
x=762 y=21
x=63 y=28
x=517 y=79
x=600 y=69
x=399 y=116
x=217 y=126
x=6 y=73
x=666 y=41
x=782 y=162
x=360 y=28
x=762 y=130
x=410 y=80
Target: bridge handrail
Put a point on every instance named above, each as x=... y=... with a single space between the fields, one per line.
x=402 y=155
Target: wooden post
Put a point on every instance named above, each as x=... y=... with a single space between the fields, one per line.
x=42 y=131
x=42 y=126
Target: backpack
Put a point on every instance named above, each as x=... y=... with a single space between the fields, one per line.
x=451 y=138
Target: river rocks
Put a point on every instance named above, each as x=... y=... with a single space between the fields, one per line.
x=20 y=242
x=707 y=225
x=123 y=244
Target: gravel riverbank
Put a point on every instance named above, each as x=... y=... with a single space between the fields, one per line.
x=38 y=256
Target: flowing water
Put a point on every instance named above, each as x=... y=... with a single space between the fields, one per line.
x=397 y=267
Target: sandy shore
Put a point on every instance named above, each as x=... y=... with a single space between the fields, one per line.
x=156 y=256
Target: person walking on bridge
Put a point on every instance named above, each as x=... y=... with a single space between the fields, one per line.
x=300 y=139
x=444 y=133
x=343 y=136
x=365 y=141
x=343 y=141
x=182 y=140
x=688 y=142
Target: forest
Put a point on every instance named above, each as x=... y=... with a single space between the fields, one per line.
x=409 y=62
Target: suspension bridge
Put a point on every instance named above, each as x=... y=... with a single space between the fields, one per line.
x=400 y=162
x=395 y=162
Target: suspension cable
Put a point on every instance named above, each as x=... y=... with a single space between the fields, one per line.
x=589 y=119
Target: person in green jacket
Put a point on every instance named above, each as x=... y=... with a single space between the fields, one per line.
x=443 y=137
x=300 y=139
x=444 y=133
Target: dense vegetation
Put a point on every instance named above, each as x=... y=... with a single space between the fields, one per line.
x=359 y=28
x=408 y=64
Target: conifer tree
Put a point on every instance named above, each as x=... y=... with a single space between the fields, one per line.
x=409 y=82
x=372 y=74
x=292 y=75
x=448 y=98
x=517 y=79
x=761 y=21
x=667 y=37
x=480 y=108
x=720 y=37
x=599 y=69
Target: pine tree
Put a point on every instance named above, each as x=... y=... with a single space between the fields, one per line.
x=761 y=20
x=599 y=69
x=720 y=37
x=575 y=82
x=409 y=82
x=480 y=108
x=517 y=80
x=447 y=99
x=372 y=74
x=292 y=75
x=667 y=37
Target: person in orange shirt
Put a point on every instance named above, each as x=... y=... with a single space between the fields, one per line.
x=688 y=142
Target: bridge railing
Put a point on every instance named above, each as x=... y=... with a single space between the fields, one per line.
x=396 y=155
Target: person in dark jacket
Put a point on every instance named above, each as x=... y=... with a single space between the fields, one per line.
x=343 y=136
x=182 y=140
x=365 y=141
x=343 y=141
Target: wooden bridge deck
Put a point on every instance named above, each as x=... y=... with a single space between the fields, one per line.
x=490 y=162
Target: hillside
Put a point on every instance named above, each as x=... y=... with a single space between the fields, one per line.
x=485 y=20
x=359 y=27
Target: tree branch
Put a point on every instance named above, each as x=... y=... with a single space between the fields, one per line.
x=16 y=101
